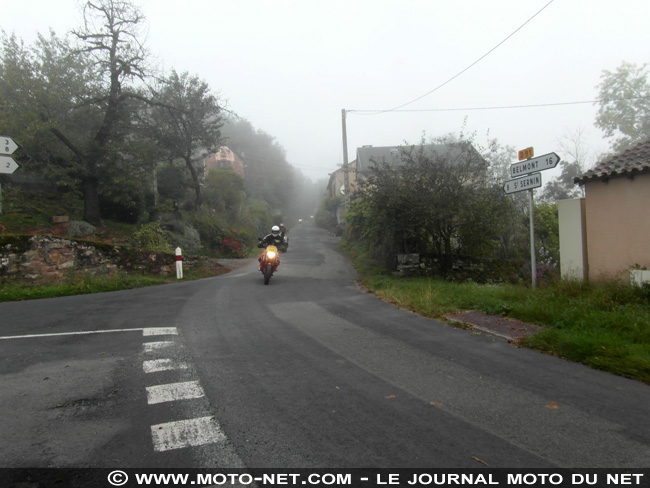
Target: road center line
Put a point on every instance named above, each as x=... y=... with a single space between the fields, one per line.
x=174 y=391
x=156 y=365
x=153 y=346
x=186 y=433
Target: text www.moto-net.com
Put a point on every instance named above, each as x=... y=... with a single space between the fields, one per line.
x=120 y=478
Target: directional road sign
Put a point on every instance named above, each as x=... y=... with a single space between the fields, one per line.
x=8 y=165
x=540 y=163
x=7 y=145
x=526 y=183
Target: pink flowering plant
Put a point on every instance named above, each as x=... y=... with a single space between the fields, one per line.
x=228 y=244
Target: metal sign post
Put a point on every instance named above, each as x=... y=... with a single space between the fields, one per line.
x=530 y=167
x=533 y=263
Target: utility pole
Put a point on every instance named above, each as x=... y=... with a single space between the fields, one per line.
x=346 y=169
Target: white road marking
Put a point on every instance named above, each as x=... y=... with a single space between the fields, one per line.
x=148 y=331
x=174 y=391
x=153 y=331
x=152 y=346
x=186 y=433
x=155 y=365
x=30 y=336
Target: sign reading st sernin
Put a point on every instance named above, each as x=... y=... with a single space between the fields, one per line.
x=526 y=183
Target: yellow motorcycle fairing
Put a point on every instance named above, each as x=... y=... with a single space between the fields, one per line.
x=271 y=252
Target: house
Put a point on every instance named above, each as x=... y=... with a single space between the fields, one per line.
x=336 y=184
x=613 y=220
x=224 y=158
x=369 y=156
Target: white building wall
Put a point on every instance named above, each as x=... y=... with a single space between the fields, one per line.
x=573 y=239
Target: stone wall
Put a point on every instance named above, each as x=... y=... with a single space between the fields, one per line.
x=464 y=268
x=42 y=259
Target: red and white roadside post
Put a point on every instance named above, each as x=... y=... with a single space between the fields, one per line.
x=179 y=264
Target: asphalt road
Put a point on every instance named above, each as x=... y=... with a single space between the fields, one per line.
x=307 y=372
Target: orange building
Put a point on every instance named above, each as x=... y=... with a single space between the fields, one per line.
x=617 y=213
x=224 y=158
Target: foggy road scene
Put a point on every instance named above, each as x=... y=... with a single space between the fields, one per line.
x=342 y=243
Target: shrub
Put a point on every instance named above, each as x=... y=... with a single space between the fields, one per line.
x=207 y=223
x=228 y=244
x=152 y=237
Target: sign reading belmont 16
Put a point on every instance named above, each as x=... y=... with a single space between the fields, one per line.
x=7 y=163
x=540 y=163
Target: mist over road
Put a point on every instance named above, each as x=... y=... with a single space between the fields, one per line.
x=307 y=372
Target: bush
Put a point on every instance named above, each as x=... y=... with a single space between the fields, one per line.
x=257 y=216
x=122 y=201
x=229 y=244
x=152 y=237
x=207 y=223
x=326 y=214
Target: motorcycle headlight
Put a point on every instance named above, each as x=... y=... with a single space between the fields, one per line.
x=270 y=255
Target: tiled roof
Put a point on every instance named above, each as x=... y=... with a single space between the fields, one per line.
x=632 y=161
x=369 y=156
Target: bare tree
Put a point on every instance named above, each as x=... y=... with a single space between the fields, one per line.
x=575 y=157
x=109 y=43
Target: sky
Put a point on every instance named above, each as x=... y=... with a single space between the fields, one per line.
x=290 y=67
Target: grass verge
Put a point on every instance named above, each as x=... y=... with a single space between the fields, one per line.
x=603 y=325
x=79 y=284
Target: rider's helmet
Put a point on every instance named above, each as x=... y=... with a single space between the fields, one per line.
x=275 y=230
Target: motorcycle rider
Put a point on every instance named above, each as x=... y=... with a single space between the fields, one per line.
x=284 y=233
x=274 y=238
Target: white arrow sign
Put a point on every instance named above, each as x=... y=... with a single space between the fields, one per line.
x=8 y=145
x=540 y=163
x=8 y=165
x=526 y=183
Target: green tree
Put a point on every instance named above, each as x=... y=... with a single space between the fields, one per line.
x=268 y=175
x=173 y=182
x=326 y=215
x=438 y=198
x=75 y=101
x=624 y=99
x=185 y=121
x=224 y=192
x=439 y=184
x=547 y=234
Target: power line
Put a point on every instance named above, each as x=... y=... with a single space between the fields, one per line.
x=471 y=65
x=501 y=107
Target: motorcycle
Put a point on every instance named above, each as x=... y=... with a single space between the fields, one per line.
x=284 y=245
x=269 y=262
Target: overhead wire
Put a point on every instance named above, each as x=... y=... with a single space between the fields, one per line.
x=498 y=107
x=468 y=67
